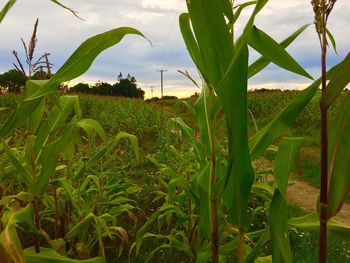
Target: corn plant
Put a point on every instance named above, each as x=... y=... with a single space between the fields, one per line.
x=10 y=4
x=46 y=142
x=223 y=64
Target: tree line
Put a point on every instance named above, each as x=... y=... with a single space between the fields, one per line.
x=14 y=81
x=124 y=87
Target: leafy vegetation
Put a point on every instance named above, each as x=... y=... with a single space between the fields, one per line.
x=72 y=191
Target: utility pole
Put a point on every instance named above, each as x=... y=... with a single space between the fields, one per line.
x=151 y=87
x=161 y=81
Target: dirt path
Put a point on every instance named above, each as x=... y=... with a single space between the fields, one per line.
x=303 y=195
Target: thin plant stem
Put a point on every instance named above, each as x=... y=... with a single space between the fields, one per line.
x=55 y=198
x=213 y=200
x=241 y=244
x=37 y=224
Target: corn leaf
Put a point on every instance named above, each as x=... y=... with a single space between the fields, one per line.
x=265 y=137
x=263 y=61
x=90 y=125
x=77 y=64
x=338 y=82
x=227 y=9
x=241 y=8
x=37 y=115
x=280 y=246
x=311 y=222
x=142 y=231
x=22 y=171
x=270 y=49
x=6 y=8
x=339 y=159
x=213 y=38
x=240 y=172
x=284 y=163
x=65 y=7
x=9 y=238
x=47 y=255
x=332 y=39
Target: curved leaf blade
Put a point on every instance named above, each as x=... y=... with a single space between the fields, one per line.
x=338 y=82
x=262 y=62
x=47 y=255
x=6 y=8
x=280 y=246
x=270 y=49
x=339 y=160
x=77 y=64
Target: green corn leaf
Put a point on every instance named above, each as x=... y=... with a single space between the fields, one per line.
x=265 y=137
x=83 y=224
x=240 y=44
x=207 y=107
x=338 y=82
x=48 y=161
x=188 y=134
x=263 y=62
x=132 y=139
x=203 y=183
x=47 y=255
x=90 y=125
x=6 y=8
x=241 y=8
x=9 y=238
x=253 y=255
x=280 y=246
x=77 y=64
x=154 y=251
x=284 y=163
x=332 y=39
x=212 y=36
x=65 y=7
x=142 y=231
x=240 y=172
x=227 y=9
x=311 y=222
x=339 y=159
x=80 y=61
x=57 y=117
x=22 y=171
x=267 y=259
x=37 y=115
x=23 y=196
x=190 y=41
x=270 y=49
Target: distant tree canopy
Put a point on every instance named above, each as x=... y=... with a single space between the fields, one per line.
x=12 y=81
x=124 y=87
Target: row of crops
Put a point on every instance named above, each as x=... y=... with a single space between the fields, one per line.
x=71 y=191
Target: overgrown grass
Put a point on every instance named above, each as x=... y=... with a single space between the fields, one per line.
x=304 y=244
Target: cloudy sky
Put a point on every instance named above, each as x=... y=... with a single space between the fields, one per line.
x=60 y=33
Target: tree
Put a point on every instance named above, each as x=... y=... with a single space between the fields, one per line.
x=80 y=88
x=124 y=87
x=12 y=81
x=127 y=87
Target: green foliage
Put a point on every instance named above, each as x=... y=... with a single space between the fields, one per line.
x=6 y=8
x=124 y=87
x=12 y=81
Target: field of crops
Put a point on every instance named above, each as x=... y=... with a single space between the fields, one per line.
x=100 y=201
x=208 y=179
